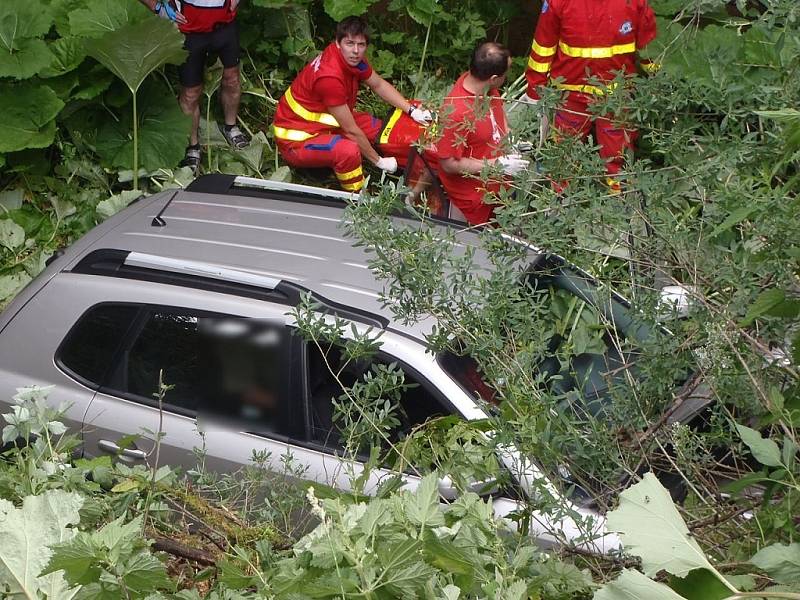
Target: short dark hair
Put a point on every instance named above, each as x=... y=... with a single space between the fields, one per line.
x=352 y=26
x=489 y=58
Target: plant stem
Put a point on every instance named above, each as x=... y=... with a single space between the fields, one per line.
x=422 y=58
x=135 y=144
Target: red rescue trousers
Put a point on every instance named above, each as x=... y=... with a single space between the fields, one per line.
x=575 y=119
x=333 y=150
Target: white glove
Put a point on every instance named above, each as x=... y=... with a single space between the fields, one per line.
x=387 y=163
x=512 y=164
x=525 y=99
x=421 y=116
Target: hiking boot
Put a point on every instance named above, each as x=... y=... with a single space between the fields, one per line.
x=234 y=136
x=192 y=158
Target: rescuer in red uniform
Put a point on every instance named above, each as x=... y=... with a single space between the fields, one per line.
x=474 y=131
x=209 y=26
x=316 y=124
x=579 y=40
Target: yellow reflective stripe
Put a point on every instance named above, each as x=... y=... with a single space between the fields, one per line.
x=387 y=131
x=537 y=66
x=606 y=52
x=303 y=113
x=353 y=187
x=587 y=89
x=543 y=50
x=293 y=135
x=357 y=172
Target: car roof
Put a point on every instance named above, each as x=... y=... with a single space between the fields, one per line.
x=274 y=230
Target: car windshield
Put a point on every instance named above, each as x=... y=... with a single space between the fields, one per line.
x=591 y=341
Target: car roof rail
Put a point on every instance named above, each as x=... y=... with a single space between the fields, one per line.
x=216 y=278
x=229 y=184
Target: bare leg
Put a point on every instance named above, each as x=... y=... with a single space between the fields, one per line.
x=190 y=105
x=231 y=94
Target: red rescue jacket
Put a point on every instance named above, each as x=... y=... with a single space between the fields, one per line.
x=204 y=15
x=300 y=114
x=580 y=39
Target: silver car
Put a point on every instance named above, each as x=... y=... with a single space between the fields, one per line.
x=201 y=283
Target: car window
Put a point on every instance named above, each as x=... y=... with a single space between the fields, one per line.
x=229 y=371
x=89 y=348
x=329 y=374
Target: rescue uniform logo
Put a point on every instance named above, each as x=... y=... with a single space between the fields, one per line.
x=626 y=28
x=545 y=7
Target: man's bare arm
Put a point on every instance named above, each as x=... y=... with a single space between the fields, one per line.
x=387 y=92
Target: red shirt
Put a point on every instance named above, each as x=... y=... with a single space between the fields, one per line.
x=326 y=81
x=474 y=127
x=204 y=15
x=580 y=39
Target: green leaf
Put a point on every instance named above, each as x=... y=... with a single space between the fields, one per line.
x=20 y=20
x=734 y=218
x=632 y=585
x=145 y=573
x=339 y=9
x=11 y=284
x=408 y=581
x=765 y=451
x=771 y=302
x=780 y=562
x=30 y=57
x=422 y=508
x=26 y=534
x=700 y=584
x=29 y=112
x=651 y=528
x=100 y=17
x=11 y=235
x=67 y=54
x=163 y=130
x=12 y=199
x=136 y=50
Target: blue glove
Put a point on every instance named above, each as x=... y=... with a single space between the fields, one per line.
x=165 y=11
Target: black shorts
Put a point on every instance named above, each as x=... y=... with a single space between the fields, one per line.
x=222 y=42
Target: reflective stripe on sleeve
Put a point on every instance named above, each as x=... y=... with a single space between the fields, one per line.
x=292 y=135
x=353 y=187
x=303 y=113
x=603 y=52
x=543 y=50
x=539 y=67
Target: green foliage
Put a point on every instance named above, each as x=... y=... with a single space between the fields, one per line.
x=782 y=563
x=26 y=534
x=113 y=561
x=30 y=111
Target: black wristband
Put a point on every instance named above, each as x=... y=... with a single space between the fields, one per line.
x=411 y=108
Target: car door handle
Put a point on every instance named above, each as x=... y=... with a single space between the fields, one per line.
x=112 y=448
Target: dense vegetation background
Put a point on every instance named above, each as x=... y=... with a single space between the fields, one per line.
x=711 y=203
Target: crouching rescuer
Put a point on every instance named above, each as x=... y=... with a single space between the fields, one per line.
x=316 y=124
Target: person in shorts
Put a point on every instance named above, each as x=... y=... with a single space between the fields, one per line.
x=210 y=28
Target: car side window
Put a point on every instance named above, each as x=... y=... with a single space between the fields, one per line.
x=328 y=376
x=90 y=346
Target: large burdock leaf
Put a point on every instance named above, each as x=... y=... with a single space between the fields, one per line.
x=22 y=22
x=136 y=50
x=25 y=536
x=163 y=132
x=99 y=17
x=651 y=528
x=11 y=234
x=29 y=112
x=782 y=563
x=632 y=585
x=67 y=54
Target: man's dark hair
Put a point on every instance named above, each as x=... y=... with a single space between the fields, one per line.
x=489 y=58
x=352 y=26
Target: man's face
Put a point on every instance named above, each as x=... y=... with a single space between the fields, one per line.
x=353 y=49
